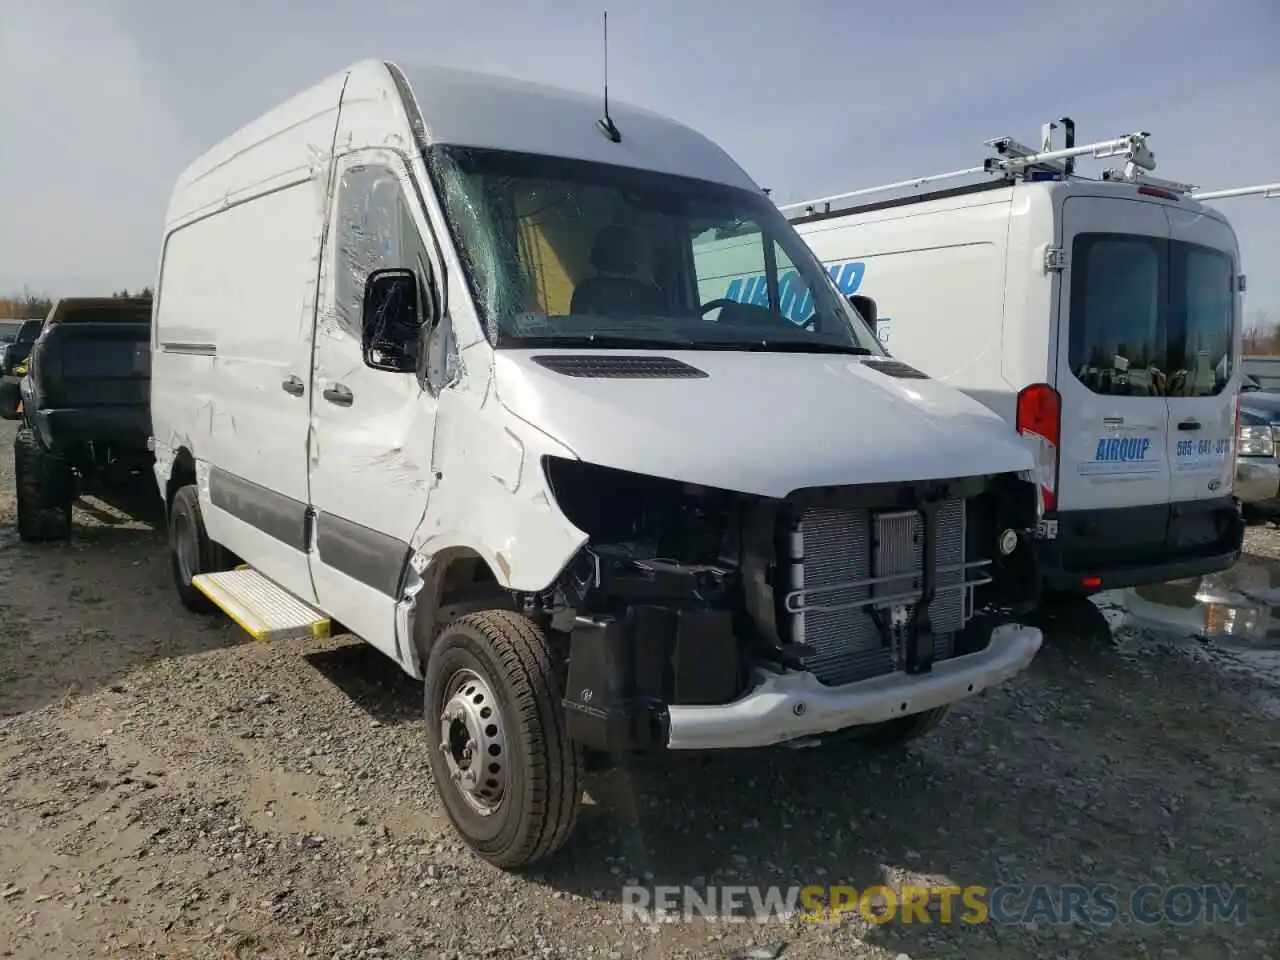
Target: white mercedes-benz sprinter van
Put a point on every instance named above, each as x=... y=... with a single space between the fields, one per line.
x=1101 y=317
x=431 y=361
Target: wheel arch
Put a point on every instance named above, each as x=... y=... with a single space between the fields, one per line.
x=458 y=579
x=182 y=472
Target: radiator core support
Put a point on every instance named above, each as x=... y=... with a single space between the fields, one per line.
x=876 y=591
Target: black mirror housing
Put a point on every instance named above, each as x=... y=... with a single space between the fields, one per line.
x=391 y=320
x=866 y=307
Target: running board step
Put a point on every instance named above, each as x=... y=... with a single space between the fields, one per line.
x=266 y=610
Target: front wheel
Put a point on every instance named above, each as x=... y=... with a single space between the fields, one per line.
x=507 y=773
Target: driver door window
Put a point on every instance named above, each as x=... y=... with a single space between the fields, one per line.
x=375 y=231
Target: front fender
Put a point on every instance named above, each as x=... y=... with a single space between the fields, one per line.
x=492 y=497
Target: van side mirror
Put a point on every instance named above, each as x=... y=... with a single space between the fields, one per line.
x=391 y=320
x=866 y=307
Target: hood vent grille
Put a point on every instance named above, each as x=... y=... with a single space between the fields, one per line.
x=894 y=368
x=602 y=367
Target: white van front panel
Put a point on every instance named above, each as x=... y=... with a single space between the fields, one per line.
x=1115 y=448
x=1204 y=353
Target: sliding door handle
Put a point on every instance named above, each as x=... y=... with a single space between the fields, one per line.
x=339 y=394
x=1189 y=425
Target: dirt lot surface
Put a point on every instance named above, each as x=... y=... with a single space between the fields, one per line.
x=169 y=788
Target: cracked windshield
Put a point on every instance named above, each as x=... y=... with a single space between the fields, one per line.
x=546 y=481
x=559 y=252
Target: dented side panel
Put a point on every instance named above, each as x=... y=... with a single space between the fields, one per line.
x=492 y=496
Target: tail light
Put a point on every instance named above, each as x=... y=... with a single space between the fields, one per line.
x=1039 y=422
x=1235 y=447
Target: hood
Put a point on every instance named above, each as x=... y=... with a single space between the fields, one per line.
x=1265 y=405
x=756 y=423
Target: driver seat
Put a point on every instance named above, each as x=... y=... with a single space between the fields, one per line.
x=616 y=291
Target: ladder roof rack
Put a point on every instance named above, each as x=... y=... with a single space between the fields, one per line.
x=1268 y=191
x=1013 y=159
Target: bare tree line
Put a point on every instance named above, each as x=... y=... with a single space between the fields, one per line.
x=32 y=306
x=1262 y=334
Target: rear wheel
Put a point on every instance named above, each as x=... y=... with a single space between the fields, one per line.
x=509 y=777
x=191 y=552
x=45 y=490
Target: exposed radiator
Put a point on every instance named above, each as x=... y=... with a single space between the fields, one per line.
x=833 y=555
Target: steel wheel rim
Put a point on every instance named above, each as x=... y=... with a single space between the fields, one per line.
x=473 y=741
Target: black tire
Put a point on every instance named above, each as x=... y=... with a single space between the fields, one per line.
x=191 y=552
x=541 y=790
x=45 y=487
x=891 y=733
x=900 y=730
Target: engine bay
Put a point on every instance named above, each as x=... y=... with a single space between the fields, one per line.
x=682 y=592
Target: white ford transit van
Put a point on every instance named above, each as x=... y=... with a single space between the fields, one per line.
x=431 y=361
x=1100 y=316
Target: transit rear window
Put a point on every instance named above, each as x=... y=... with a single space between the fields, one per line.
x=1150 y=317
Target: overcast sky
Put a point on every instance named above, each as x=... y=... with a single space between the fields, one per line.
x=102 y=103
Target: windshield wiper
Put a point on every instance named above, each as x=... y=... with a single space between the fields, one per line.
x=783 y=346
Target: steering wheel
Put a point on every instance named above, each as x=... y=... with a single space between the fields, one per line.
x=714 y=304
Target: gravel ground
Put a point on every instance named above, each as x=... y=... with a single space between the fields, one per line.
x=171 y=789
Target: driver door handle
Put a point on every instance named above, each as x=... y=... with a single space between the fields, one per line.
x=293 y=386
x=339 y=394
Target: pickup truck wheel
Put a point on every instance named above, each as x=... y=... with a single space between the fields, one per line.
x=191 y=551
x=509 y=776
x=45 y=488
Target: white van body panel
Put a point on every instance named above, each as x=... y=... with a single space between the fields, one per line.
x=234 y=316
x=947 y=269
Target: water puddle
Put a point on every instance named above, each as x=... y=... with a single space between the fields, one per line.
x=1236 y=609
x=1229 y=619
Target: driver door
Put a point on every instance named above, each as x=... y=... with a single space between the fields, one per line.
x=369 y=463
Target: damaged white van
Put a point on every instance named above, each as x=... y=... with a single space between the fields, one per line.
x=430 y=362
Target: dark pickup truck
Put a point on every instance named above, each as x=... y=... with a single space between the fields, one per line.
x=16 y=338
x=86 y=415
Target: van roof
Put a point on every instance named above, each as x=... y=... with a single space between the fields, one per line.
x=466 y=108
x=975 y=193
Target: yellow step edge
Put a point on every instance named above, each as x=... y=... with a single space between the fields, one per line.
x=243 y=599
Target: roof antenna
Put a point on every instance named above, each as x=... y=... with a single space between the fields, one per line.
x=606 y=123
